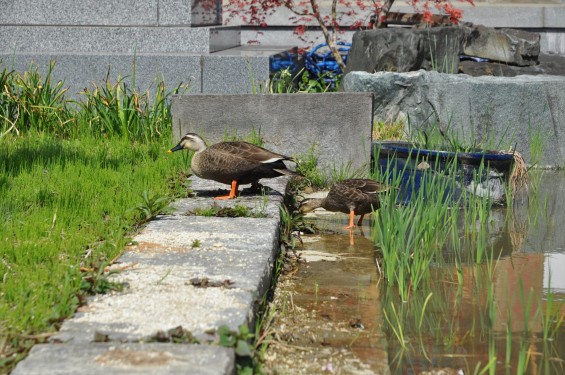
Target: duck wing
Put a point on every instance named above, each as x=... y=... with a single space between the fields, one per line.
x=249 y=152
x=365 y=186
x=240 y=161
x=356 y=194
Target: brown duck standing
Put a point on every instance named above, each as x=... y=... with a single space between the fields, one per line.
x=232 y=163
x=354 y=197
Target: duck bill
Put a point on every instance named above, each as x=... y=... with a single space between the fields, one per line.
x=176 y=148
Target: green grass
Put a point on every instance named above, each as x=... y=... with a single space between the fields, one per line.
x=77 y=179
x=62 y=199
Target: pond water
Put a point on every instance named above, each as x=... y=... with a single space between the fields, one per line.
x=337 y=315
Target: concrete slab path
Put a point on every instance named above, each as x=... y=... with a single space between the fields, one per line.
x=157 y=269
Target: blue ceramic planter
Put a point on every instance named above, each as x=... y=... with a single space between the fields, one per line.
x=481 y=172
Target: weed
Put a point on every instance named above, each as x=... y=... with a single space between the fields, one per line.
x=283 y=82
x=95 y=280
x=31 y=102
x=177 y=335
x=447 y=65
x=383 y=130
x=238 y=210
x=151 y=206
x=307 y=167
x=292 y=224
x=395 y=325
x=241 y=341
x=116 y=109
x=179 y=184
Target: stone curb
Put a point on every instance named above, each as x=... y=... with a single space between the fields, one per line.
x=159 y=295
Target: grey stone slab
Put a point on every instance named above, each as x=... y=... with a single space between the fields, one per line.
x=111 y=39
x=265 y=202
x=206 y=12
x=554 y=16
x=494 y=15
x=189 y=12
x=553 y=42
x=150 y=305
x=175 y=12
x=222 y=38
x=337 y=125
x=256 y=50
x=78 y=71
x=284 y=36
x=221 y=73
x=228 y=233
x=122 y=359
x=505 y=16
x=85 y=12
x=234 y=74
x=505 y=110
x=497 y=15
x=157 y=269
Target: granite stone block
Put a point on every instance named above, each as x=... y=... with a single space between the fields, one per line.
x=190 y=12
x=337 y=125
x=76 y=39
x=84 y=12
x=79 y=71
x=233 y=74
x=222 y=38
x=127 y=358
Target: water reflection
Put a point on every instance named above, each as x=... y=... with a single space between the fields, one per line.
x=553 y=273
x=502 y=315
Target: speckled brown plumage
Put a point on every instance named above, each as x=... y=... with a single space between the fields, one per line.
x=353 y=196
x=232 y=163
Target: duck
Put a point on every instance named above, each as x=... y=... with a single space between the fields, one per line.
x=356 y=196
x=232 y=163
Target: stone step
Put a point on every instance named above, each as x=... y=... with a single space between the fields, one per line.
x=127 y=358
x=160 y=270
x=111 y=12
x=116 y=39
x=220 y=72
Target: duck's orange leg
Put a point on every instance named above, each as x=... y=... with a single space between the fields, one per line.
x=360 y=221
x=351 y=218
x=232 y=194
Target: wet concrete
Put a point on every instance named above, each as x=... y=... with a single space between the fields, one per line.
x=329 y=314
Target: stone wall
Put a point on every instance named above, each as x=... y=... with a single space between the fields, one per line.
x=181 y=41
x=523 y=111
x=337 y=125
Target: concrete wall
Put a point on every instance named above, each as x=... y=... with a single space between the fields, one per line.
x=338 y=125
